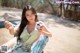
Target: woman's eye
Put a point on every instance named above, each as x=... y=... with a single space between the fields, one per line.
x=27 y=15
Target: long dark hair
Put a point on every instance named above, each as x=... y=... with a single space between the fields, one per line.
x=24 y=21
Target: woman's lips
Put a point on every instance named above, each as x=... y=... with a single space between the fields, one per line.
x=31 y=19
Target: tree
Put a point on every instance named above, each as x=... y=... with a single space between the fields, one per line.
x=0 y=2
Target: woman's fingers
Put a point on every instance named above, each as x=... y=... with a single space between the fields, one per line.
x=7 y=24
x=40 y=29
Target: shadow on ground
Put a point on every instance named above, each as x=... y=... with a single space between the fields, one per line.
x=62 y=21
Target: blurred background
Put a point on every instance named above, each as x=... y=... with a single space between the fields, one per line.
x=62 y=17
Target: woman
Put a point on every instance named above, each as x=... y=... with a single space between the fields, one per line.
x=28 y=31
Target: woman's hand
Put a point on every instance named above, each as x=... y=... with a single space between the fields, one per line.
x=40 y=30
x=44 y=31
x=9 y=26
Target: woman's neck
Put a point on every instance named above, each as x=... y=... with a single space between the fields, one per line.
x=31 y=23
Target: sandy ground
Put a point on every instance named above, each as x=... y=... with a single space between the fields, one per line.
x=65 y=35
x=64 y=40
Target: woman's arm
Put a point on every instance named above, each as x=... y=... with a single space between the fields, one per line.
x=44 y=30
x=11 y=29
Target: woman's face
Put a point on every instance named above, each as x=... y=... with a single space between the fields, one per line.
x=30 y=16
